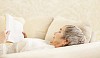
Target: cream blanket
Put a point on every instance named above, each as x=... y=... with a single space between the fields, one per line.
x=28 y=44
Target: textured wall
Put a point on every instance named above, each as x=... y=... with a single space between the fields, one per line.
x=85 y=10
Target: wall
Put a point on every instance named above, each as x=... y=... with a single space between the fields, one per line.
x=85 y=10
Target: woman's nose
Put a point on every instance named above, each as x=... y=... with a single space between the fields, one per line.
x=51 y=42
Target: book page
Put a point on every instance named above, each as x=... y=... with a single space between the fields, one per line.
x=15 y=28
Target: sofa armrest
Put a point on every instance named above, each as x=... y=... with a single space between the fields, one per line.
x=89 y=50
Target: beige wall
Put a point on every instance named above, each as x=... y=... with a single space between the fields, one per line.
x=85 y=10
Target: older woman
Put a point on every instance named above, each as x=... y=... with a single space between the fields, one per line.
x=66 y=36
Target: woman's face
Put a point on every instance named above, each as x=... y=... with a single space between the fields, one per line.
x=58 y=40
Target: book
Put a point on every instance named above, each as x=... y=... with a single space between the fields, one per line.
x=15 y=29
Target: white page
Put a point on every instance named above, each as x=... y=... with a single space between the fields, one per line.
x=15 y=27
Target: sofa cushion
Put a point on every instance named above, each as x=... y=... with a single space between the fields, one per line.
x=37 y=27
x=61 y=21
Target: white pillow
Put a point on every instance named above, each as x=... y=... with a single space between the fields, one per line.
x=61 y=21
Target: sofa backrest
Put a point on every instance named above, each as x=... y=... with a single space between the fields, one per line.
x=83 y=10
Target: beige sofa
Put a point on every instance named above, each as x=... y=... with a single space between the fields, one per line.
x=44 y=27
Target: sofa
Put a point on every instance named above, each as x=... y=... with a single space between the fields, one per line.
x=43 y=27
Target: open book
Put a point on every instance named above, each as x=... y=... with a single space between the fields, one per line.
x=15 y=28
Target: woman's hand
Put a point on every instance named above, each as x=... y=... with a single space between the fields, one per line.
x=7 y=34
x=25 y=36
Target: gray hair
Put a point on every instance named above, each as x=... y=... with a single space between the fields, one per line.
x=74 y=35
